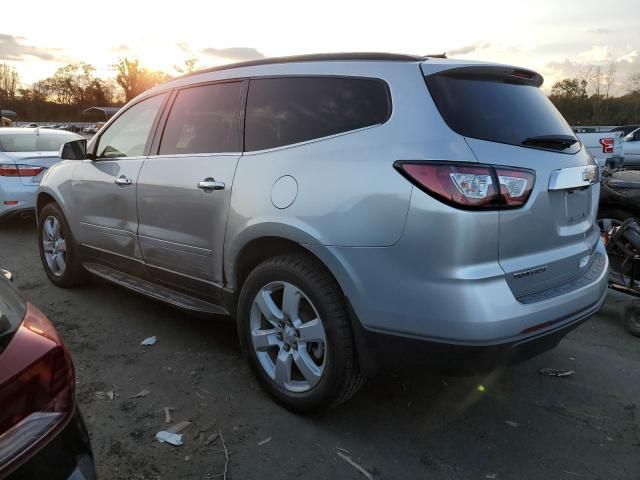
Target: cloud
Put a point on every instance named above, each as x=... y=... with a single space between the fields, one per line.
x=234 y=53
x=599 y=31
x=12 y=48
x=122 y=48
x=469 y=48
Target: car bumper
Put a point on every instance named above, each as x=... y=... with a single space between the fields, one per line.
x=15 y=191
x=379 y=351
x=67 y=456
x=400 y=305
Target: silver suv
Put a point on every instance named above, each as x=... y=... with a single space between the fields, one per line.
x=347 y=210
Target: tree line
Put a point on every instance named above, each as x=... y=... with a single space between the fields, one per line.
x=75 y=87
x=585 y=99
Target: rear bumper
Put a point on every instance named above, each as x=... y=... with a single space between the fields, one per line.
x=68 y=456
x=16 y=191
x=379 y=351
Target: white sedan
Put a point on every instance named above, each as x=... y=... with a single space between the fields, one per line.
x=25 y=153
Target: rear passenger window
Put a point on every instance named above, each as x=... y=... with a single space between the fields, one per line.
x=282 y=111
x=204 y=119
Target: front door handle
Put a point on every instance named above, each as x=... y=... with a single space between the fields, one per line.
x=122 y=180
x=211 y=184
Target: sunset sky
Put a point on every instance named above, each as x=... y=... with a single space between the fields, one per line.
x=557 y=38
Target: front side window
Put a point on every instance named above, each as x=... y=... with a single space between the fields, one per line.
x=204 y=119
x=128 y=134
x=283 y=111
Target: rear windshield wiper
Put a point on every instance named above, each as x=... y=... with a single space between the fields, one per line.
x=564 y=141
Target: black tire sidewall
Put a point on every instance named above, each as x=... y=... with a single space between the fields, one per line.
x=73 y=267
x=333 y=377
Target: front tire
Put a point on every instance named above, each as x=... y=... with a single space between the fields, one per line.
x=58 y=250
x=294 y=327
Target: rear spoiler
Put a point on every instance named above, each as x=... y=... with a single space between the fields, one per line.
x=496 y=73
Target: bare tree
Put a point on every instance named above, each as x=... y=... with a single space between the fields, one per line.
x=9 y=81
x=633 y=84
x=190 y=64
x=609 y=78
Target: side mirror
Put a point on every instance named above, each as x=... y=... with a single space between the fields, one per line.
x=74 y=150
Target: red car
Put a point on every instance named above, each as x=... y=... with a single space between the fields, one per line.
x=42 y=434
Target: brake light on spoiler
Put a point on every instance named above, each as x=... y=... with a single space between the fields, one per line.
x=470 y=186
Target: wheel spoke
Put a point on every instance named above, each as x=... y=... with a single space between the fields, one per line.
x=62 y=245
x=291 y=301
x=48 y=229
x=56 y=228
x=59 y=261
x=312 y=331
x=283 y=368
x=310 y=371
x=264 y=339
x=268 y=308
x=47 y=246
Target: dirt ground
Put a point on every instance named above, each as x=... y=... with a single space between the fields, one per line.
x=400 y=426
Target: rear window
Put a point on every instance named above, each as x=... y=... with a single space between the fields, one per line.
x=30 y=142
x=12 y=310
x=501 y=111
x=283 y=111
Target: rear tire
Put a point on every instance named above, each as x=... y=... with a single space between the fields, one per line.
x=631 y=318
x=58 y=251
x=309 y=335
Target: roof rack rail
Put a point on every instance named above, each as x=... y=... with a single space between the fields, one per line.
x=350 y=56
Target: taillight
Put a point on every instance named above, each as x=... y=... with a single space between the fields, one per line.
x=607 y=145
x=7 y=170
x=470 y=186
x=38 y=398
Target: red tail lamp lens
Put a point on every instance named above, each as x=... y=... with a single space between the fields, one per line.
x=469 y=186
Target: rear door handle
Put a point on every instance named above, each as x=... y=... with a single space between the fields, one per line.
x=211 y=184
x=122 y=180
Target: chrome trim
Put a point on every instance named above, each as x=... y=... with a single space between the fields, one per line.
x=573 y=177
x=211 y=184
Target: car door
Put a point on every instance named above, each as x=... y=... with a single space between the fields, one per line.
x=631 y=148
x=104 y=187
x=184 y=190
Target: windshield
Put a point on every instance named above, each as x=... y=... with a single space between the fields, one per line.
x=43 y=142
x=498 y=111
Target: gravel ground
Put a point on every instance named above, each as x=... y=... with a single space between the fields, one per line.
x=400 y=426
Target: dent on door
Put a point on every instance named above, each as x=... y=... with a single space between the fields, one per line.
x=104 y=196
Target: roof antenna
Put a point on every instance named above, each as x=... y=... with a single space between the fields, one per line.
x=437 y=55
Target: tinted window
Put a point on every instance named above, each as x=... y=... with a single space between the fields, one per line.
x=490 y=109
x=282 y=111
x=128 y=134
x=204 y=120
x=31 y=142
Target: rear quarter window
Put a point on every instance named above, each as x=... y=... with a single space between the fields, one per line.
x=284 y=111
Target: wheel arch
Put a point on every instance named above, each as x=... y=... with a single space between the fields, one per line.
x=261 y=248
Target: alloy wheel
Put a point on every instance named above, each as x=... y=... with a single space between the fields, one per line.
x=54 y=246
x=288 y=336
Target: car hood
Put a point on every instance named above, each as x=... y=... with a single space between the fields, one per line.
x=12 y=311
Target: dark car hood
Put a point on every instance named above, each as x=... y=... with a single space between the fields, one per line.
x=12 y=311
x=624 y=179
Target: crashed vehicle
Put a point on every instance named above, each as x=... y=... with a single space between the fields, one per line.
x=345 y=210
x=620 y=194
